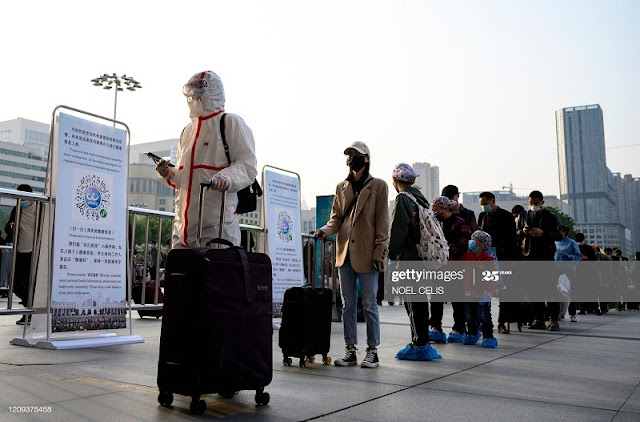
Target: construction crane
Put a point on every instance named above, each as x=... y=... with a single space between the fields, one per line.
x=511 y=188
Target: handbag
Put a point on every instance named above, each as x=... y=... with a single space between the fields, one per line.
x=247 y=197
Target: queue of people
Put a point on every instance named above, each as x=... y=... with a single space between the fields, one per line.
x=359 y=217
x=366 y=241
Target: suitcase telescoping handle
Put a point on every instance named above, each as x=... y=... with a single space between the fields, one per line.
x=219 y=240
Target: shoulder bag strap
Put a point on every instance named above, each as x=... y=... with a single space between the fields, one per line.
x=348 y=210
x=224 y=138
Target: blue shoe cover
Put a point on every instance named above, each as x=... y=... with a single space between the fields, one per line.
x=418 y=353
x=437 y=336
x=490 y=343
x=469 y=340
x=404 y=353
x=454 y=337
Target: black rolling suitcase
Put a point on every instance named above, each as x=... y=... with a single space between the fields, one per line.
x=306 y=324
x=217 y=326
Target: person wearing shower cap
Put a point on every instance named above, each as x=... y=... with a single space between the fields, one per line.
x=403 y=172
x=477 y=308
x=456 y=231
x=405 y=234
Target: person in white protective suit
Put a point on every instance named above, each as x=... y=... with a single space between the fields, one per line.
x=201 y=158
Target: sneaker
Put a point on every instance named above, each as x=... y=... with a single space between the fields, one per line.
x=573 y=318
x=349 y=358
x=371 y=359
x=502 y=329
x=490 y=343
x=554 y=326
x=22 y=320
x=471 y=340
x=437 y=336
x=454 y=337
x=418 y=353
x=537 y=325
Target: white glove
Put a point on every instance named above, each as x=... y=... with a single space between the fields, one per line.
x=219 y=183
x=163 y=168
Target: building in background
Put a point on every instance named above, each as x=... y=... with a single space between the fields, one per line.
x=145 y=188
x=429 y=180
x=167 y=149
x=596 y=199
x=586 y=184
x=506 y=199
x=628 y=193
x=147 y=191
x=24 y=150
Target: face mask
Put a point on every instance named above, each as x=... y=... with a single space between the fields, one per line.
x=356 y=162
x=24 y=204
x=535 y=208
x=195 y=107
x=439 y=216
x=487 y=208
x=473 y=246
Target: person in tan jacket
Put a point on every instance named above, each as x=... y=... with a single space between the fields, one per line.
x=360 y=217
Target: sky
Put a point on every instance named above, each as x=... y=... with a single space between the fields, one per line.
x=469 y=86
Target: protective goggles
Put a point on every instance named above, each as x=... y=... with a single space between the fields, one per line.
x=195 y=88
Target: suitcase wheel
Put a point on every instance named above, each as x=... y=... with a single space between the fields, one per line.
x=311 y=358
x=165 y=399
x=262 y=398
x=197 y=406
x=287 y=361
x=326 y=360
x=227 y=394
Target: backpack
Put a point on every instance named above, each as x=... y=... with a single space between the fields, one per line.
x=433 y=246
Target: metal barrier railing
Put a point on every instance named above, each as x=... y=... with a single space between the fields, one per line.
x=39 y=200
x=328 y=271
x=132 y=273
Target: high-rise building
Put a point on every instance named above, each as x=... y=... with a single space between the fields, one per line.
x=429 y=180
x=585 y=181
x=628 y=190
x=590 y=193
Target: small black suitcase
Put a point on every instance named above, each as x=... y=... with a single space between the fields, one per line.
x=149 y=292
x=306 y=324
x=217 y=326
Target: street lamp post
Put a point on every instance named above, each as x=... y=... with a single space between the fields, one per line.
x=119 y=82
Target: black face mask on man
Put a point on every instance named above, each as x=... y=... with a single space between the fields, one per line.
x=356 y=162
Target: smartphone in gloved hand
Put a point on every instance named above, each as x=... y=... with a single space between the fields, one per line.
x=155 y=158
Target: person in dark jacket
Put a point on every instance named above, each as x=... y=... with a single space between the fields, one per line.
x=584 y=292
x=23 y=248
x=501 y=226
x=451 y=192
x=405 y=234
x=538 y=231
x=457 y=233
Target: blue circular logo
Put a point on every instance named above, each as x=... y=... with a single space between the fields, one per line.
x=284 y=228
x=92 y=197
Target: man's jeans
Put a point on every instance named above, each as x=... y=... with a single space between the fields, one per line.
x=369 y=286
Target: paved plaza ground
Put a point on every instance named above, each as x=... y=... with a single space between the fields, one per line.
x=588 y=371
